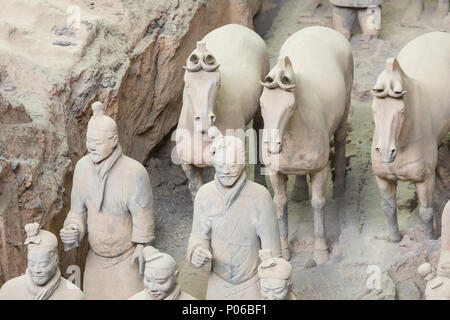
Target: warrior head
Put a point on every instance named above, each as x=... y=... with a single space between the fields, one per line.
x=42 y=254
x=160 y=276
x=274 y=276
x=102 y=136
x=228 y=156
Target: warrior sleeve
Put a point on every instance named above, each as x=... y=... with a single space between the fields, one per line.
x=200 y=235
x=78 y=211
x=267 y=224
x=140 y=204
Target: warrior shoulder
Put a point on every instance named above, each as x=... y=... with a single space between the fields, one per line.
x=12 y=285
x=259 y=194
x=205 y=191
x=76 y=293
x=133 y=167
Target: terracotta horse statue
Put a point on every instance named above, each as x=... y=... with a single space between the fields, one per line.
x=221 y=89
x=305 y=101
x=411 y=110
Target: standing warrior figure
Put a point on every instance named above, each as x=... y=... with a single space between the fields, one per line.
x=275 y=277
x=368 y=13
x=160 y=278
x=233 y=219
x=221 y=89
x=411 y=111
x=42 y=279
x=112 y=201
x=438 y=283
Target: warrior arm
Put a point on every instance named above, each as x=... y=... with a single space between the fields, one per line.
x=140 y=205
x=200 y=235
x=78 y=211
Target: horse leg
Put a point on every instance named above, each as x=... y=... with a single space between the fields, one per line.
x=258 y=125
x=318 y=189
x=339 y=157
x=194 y=175
x=425 y=194
x=300 y=191
x=388 y=191
x=279 y=185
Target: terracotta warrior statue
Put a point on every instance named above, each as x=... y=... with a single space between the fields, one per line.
x=111 y=201
x=233 y=219
x=438 y=281
x=275 y=277
x=160 y=278
x=42 y=279
x=368 y=13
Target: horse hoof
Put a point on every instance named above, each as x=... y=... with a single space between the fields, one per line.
x=428 y=235
x=395 y=237
x=286 y=254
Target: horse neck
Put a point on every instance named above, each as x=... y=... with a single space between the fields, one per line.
x=302 y=121
x=413 y=126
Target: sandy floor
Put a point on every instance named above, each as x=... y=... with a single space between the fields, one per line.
x=356 y=227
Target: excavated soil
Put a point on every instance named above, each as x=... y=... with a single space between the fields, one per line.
x=356 y=226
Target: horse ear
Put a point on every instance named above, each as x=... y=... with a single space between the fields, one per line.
x=392 y=64
x=201 y=46
x=284 y=62
x=287 y=62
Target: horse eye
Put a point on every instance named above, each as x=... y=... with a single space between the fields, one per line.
x=194 y=58
x=285 y=79
x=209 y=59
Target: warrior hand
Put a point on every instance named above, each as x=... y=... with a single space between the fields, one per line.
x=69 y=234
x=140 y=257
x=200 y=257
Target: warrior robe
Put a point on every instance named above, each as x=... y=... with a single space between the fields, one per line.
x=234 y=224
x=112 y=202
x=22 y=288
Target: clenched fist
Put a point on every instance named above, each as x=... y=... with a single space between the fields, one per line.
x=200 y=257
x=70 y=234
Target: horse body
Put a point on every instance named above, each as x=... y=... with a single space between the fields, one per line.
x=313 y=107
x=412 y=115
x=241 y=60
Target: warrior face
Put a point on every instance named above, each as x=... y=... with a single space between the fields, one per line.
x=274 y=289
x=160 y=282
x=42 y=266
x=100 y=143
x=229 y=160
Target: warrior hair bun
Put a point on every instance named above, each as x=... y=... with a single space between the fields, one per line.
x=97 y=107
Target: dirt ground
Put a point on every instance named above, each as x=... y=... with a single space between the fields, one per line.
x=356 y=226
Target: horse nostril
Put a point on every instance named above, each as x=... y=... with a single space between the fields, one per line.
x=393 y=151
x=377 y=149
x=197 y=118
